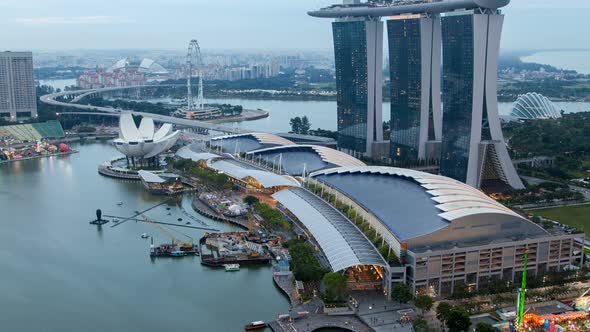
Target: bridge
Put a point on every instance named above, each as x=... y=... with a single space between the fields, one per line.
x=51 y=99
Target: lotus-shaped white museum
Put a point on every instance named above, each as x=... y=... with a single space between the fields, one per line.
x=143 y=142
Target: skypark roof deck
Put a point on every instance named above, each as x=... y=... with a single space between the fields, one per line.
x=405 y=8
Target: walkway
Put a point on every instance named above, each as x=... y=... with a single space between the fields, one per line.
x=319 y=321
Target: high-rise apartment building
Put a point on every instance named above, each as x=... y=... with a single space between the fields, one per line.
x=17 y=86
x=358 y=53
x=414 y=62
x=473 y=147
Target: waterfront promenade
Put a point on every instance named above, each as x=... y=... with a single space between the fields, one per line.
x=318 y=321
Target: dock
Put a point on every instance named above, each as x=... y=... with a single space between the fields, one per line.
x=235 y=250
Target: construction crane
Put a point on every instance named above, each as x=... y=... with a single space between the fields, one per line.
x=183 y=245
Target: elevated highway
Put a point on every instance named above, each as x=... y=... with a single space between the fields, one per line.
x=50 y=99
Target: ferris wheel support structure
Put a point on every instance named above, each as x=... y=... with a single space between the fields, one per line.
x=194 y=59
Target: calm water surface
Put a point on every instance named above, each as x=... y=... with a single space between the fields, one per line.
x=58 y=273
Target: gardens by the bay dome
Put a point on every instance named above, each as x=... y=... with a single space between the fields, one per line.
x=145 y=65
x=534 y=106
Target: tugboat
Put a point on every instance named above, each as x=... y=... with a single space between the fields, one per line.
x=255 y=325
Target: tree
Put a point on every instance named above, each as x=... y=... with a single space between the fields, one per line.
x=420 y=325
x=458 y=320
x=295 y=125
x=251 y=200
x=424 y=302
x=305 y=125
x=442 y=311
x=402 y=293
x=335 y=285
x=484 y=327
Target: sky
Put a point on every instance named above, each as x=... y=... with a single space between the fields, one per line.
x=241 y=24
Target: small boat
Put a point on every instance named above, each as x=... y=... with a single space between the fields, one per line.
x=145 y=235
x=255 y=325
x=120 y=203
x=187 y=223
x=178 y=253
x=231 y=267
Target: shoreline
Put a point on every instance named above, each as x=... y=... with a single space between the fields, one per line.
x=2 y=162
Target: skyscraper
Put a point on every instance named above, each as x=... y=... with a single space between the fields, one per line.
x=358 y=53
x=414 y=62
x=473 y=148
x=469 y=136
x=17 y=85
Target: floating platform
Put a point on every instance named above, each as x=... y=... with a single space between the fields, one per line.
x=99 y=222
x=173 y=250
x=213 y=260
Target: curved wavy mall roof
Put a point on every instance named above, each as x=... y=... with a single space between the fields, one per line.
x=414 y=204
x=143 y=141
x=237 y=170
x=534 y=106
x=314 y=157
x=248 y=142
x=342 y=243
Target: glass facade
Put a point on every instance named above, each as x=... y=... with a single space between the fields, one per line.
x=350 y=55
x=457 y=96
x=406 y=87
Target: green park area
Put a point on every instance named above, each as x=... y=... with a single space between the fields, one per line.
x=576 y=215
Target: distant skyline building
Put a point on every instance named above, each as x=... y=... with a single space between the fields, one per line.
x=414 y=64
x=17 y=86
x=473 y=147
x=358 y=54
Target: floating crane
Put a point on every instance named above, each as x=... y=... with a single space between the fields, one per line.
x=184 y=246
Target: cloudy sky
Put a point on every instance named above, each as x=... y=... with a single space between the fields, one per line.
x=241 y=24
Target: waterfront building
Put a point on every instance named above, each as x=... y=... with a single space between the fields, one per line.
x=473 y=147
x=414 y=64
x=143 y=143
x=17 y=86
x=443 y=234
x=358 y=52
x=533 y=105
x=31 y=132
x=382 y=225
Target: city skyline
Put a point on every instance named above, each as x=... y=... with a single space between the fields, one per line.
x=128 y=28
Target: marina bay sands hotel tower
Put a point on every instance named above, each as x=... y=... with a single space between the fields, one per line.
x=443 y=60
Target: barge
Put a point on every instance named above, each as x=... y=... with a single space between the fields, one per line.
x=174 y=250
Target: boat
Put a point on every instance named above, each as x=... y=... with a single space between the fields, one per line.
x=231 y=267
x=178 y=253
x=120 y=203
x=255 y=325
x=145 y=235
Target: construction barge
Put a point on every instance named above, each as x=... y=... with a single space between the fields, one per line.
x=219 y=249
x=173 y=250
